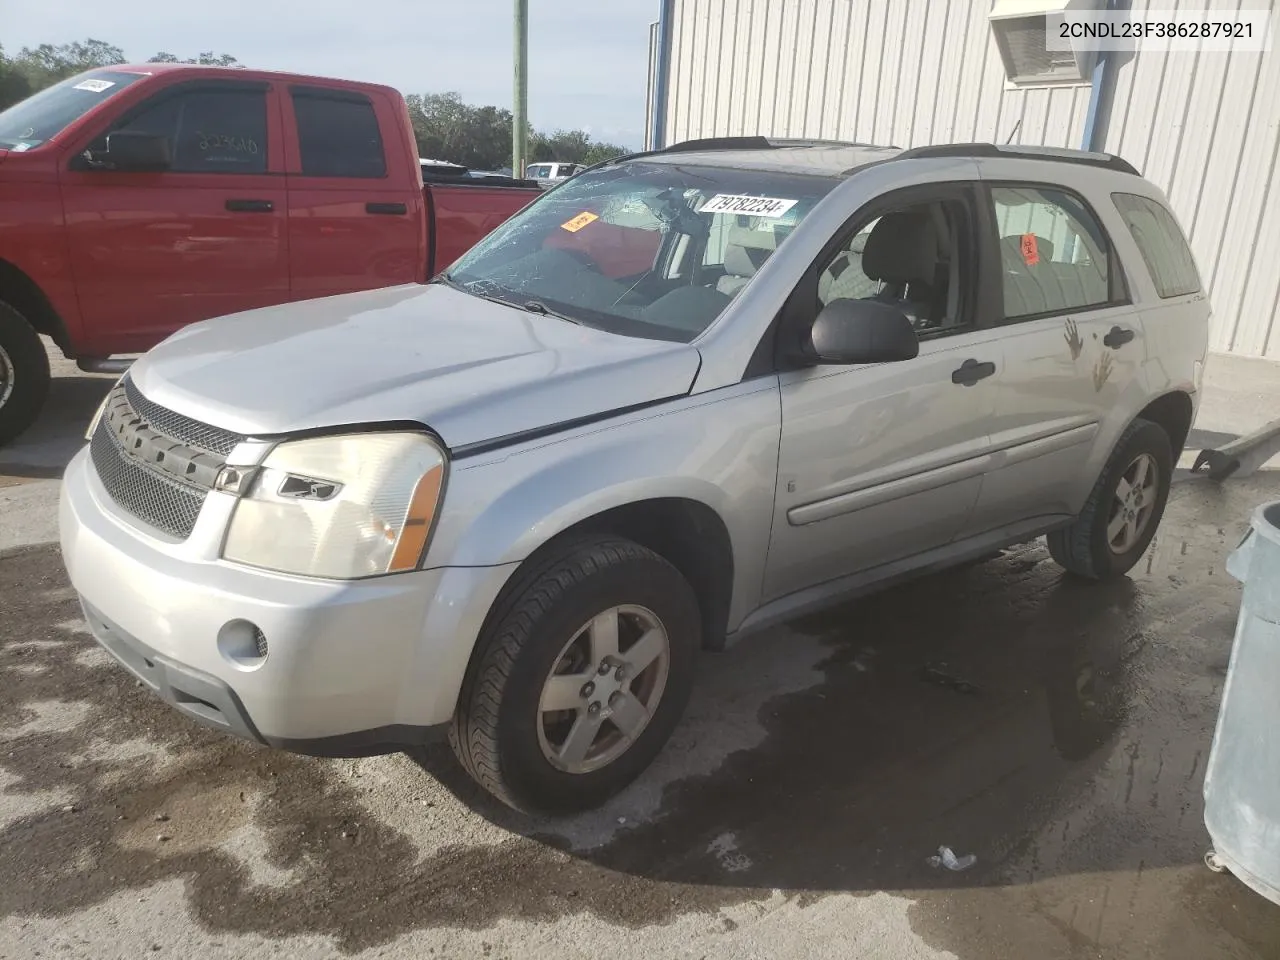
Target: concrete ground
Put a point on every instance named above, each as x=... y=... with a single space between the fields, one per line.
x=791 y=816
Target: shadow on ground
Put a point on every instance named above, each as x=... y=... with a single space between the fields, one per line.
x=45 y=449
x=1058 y=731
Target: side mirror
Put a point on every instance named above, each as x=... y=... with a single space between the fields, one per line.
x=861 y=331
x=138 y=151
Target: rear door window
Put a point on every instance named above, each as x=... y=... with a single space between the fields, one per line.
x=1055 y=256
x=338 y=135
x=1161 y=242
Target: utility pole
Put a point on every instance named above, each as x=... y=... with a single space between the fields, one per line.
x=520 y=112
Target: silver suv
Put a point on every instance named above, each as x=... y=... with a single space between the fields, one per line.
x=681 y=398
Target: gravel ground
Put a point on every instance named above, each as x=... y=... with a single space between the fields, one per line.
x=791 y=816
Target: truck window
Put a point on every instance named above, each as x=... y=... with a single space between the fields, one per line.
x=44 y=115
x=1161 y=243
x=338 y=135
x=212 y=130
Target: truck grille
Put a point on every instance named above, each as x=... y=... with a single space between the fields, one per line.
x=183 y=429
x=156 y=464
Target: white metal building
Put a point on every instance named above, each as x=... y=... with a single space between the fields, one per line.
x=1205 y=126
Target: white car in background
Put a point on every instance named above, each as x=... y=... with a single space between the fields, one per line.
x=549 y=174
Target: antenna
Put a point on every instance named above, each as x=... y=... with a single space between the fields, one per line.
x=1013 y=132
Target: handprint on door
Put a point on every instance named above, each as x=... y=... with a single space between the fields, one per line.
x=1101 y=371
x=1072 y=336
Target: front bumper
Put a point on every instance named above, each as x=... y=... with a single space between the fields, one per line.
x=351 y=667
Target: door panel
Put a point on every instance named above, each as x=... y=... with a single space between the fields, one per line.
x=1059 y=387
x=356 y=211
x=880 y=462
x=1069 y=376
x=152 y=252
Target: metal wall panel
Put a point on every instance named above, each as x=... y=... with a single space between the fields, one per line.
x=1204 y=127
x=877 y=71
x=654 y=40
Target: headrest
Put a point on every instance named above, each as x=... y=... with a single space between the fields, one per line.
x=746 y=250
x=902 y=248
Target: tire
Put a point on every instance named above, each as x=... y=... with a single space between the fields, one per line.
x=24 y=374
x=1084 y=548
x=544 y=625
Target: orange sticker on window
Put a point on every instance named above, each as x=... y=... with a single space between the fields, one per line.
x=1030 y=250
x=578 y=222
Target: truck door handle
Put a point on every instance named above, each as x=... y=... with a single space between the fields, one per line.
x=971 y=371
x=250 y=206
x=1118 y=337
x=391 y=209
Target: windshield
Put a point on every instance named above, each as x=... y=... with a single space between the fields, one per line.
x=43 y=116
x=643 y=249
x=538 y=171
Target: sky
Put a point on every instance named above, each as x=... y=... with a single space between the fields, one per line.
x=587 y=58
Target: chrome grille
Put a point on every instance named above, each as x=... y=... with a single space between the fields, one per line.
x=163 y=503
x=183 y=429
x=156 y=464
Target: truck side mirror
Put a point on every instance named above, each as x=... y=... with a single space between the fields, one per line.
x=127 y=150
x=861 y=331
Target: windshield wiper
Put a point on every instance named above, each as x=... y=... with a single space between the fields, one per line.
x=538 y=307
x=533 y=306
x=449 y=281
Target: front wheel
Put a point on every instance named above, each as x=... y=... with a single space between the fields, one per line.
x=24 y=373
x=1123 y=510
x=580 y=678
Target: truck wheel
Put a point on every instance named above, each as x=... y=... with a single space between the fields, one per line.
x=580 y=678
x=1123 y=510
x=24 y=373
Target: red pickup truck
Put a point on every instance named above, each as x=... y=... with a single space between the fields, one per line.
x=137 y=199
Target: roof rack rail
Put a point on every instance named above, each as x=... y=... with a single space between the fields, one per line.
x=718 y=143
x=1060 y=154
x=757 y=143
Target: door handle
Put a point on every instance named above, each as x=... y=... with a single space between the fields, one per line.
x=971 y=371
x=391 y=209
x=1118 y=337
x=250 y=206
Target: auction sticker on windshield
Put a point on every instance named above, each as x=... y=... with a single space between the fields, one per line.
x=578 y=222
x=748 y=206
x=95 y=86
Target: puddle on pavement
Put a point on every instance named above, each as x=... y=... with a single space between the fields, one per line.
x=1069 y=761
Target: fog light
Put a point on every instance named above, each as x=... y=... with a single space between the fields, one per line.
x=243 y=644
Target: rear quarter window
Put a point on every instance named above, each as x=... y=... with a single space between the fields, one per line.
x=1161 y=242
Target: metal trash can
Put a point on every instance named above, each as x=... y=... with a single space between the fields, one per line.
x=1242 y=780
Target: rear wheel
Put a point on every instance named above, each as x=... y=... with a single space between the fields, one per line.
x=1123 y=510
x=582 y=678
x=24 y=373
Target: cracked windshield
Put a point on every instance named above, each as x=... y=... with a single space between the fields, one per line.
x=652 y=250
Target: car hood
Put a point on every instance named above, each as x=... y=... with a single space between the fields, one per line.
x=470 y=369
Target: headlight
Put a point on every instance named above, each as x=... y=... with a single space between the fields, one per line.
x=341 y=507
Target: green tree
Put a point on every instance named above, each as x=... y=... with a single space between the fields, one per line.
x=13 y=83
x=206 y=59
x=599 y=152
x=35 y=68
x=47 y=64
x=448 y=128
